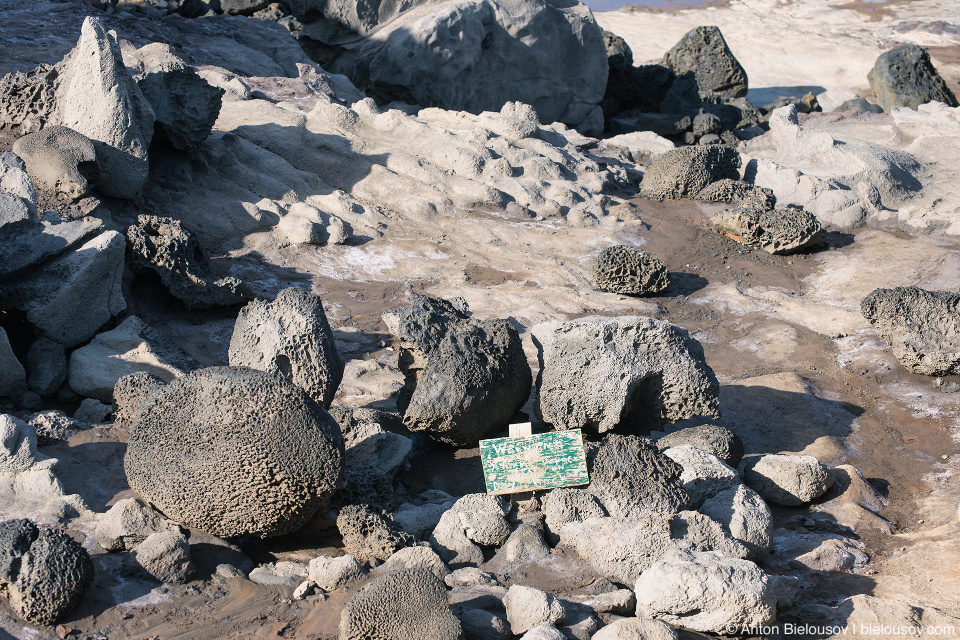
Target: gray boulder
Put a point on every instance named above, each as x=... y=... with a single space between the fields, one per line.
x=636 y=629
x=464 y=377
x=619 y=54
x=13 y=377
x=473 y=520
x=128 y=523
x=24 y=246
x=704 y=474
x=745 y=516
x=234 y=452
x=631 y=477
x=132 y=392
x=47 y=367
x=564 y=505
x=13 y=210
x=599 y=372
x=528 y=607
x=369 y=533
x=685 y=172
x=163 y=246
x=719 y=441
x=70 y=298
x=469 y=55
x=420 y=520
x=787 y=480
x=420 y=557
x=411 y=603
x=55 y=426
x=292 y=338
x=332 y=573
x=98 y=98
x=165 y=556
x=922 y=327
x=43 y=571
x=59 y=159
x=526 y=544
x=186 y=106
x=15 y=182
x=704 y=51
x=544 y=631
x=706 y=592
x=906 y=77
x=630 y=271
x=92 y=411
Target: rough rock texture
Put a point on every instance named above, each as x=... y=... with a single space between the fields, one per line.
x=464 y=377
x=619 y=54
x=787 y=480
x=777 y=231
x=306 y=224
x=704 y=51
x=719 y=441
x=43 y=571
x=630 y=271
x=598 y=372
x=162 y=245
x=725 y=190
x=473 y=55
x=128 y=523
x=906 y=77
x=133 y=346
x=55 y=426
x=131 y=393
x=636 y=629
x=705 y=592
x=70 y=298
x=369 y=533
x=332 y=573
x=564 y=505
x=98 y=98
x=59 y=159
x=165 y=556
x=13 y=377
x=420 y=521
x=411 y=603
x=528 y=607
x=684 y=172
x=235 y=452
x=46 y=367
x=525 y=545
x=186 y=106
x=704 y=475
x=544 y=631
x=15 y=182
x=744 y=515
x=630 y=476
x=475 y=519
x=922 y=327
x=619 y=549
x=422 y=557
x=290 y=337
x=483 y=625
x=27 y=98
x=92 y=411
x=26 y=246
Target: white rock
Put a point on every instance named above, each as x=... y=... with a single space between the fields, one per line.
x=305 y=224
x=331 y=573
x=128 y=523
x=165 y=555
x=636 y=629
x=528 y=607
x=704 y=474
x=786 y=479
x=544 y=632
x=744 y=515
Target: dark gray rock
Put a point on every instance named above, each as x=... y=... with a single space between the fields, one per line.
x=707 y=123
x=411 y=603
x=662 y=124
x=906 y=77
x=25 y=245
x=289 y=337
x=619 y=54
x=704 y=51
x=713 y=439
x=922 y=327
x=27 y=98
x=243 y=7
x=860 y=105
x=370 y=533
x=631 y=477
x=131 y=393
x=59 y=159
x=598 y=372
x=13 y=377
x=43 y=571
x=683 y=96
x=46 y=367
x=234 y=452
x=684 y=172
x=186 y=105
x=630 y=271
x=464 y=377
x=162 y=245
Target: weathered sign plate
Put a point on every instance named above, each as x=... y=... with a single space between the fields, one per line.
x=529 y=463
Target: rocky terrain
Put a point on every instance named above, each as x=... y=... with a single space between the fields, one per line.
x=269 y=272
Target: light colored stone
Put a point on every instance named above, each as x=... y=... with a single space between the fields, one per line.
x=306 y=224
x=787 y=480
x=413 y=558
x=475 y=519
x=704 y=475
x=744 y=515
x=636 y=629
x=528 y=607
x=165 y=555
x=128 y=523
x=332 y=573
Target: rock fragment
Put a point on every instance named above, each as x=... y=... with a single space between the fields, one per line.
x=719 y=441
x=128 y=523
x=757 y=224
x=186 y=106
x=630 y=271
x=332 y=573
x=685 y=172
x=369 y=533
x=745 y=516
x=528 y=607
x=47 y=366
x=165 y=556
x=785 y=479
x=704 y=475
x=59 y=159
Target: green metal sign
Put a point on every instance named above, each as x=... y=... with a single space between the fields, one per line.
x=529 y=463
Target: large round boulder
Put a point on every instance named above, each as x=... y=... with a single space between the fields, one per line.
x=234 y=452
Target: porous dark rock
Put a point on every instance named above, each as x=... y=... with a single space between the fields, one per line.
x=43 y=571
x=757 y=223
x=719 y=441
x=411 y=603
x=463 y=377
x=684 y=172
x=131 y=393
x=370 y=533
x=163 y=246
x=59 y=159
x=235 y=452
x=27 y=98
x=54 y=426
x=46 y=367
x=630 y=271
x=186 y=106
x=726 y=190
x=289 y=337
x=906 y=77
x=922 y=327
x=598 y=372
x=619 y=54
x=704 y=51
x=631 y=477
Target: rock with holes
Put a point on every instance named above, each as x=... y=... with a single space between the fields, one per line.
x=131 y=393
x=598 y=372
x=43 y=571
x=55 y=426
x=369 y=533
x=630 y=271
x=186 y=106
x=564 y=505
x=289 y=337
x=704 y=52
x=779 y=232
x=685 y=172
x=464 y=377
x=235 y=452
x=906 y=77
